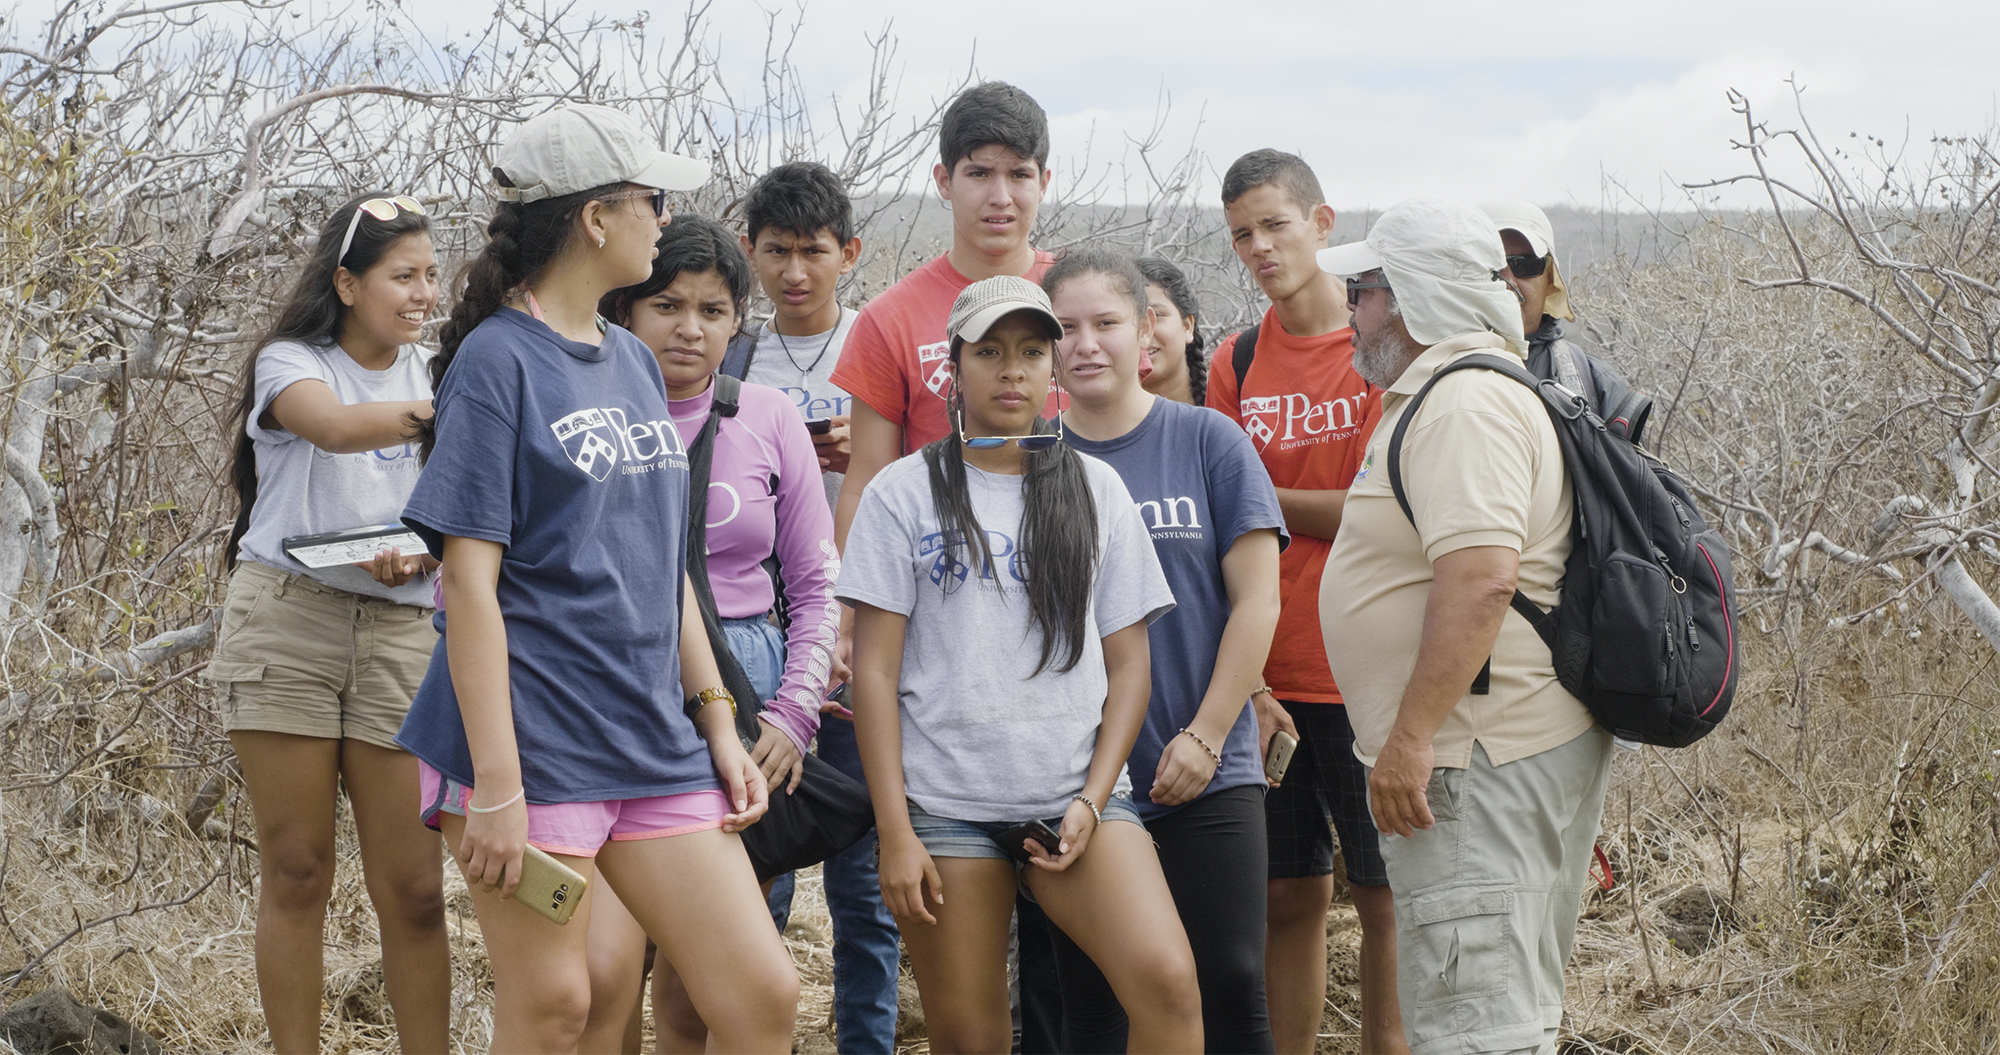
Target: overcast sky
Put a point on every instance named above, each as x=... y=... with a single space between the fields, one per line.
x=1539 y=100
x=1533 y=99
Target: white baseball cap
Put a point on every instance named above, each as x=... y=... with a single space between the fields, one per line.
x=1442 y=259
x=1528 y=220
x=579 y=146
x=987 y=301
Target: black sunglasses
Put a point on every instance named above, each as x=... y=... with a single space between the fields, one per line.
x=659 y=199
x=1527 y=265
x=1354 y=291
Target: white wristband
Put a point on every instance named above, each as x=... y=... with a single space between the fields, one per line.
x=518 y=796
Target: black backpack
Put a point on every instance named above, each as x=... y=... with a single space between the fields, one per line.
x=1554 y=357
x=1644 y=633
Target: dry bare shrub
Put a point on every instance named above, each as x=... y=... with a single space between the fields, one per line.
x=1827 y=376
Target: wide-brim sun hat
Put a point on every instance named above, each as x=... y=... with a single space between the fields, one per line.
x=579 y=146
x=987 y=301
x=1442 y=259
x=1527 y=219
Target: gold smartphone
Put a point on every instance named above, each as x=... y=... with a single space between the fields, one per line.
x=1278 y=757
x=549 y=887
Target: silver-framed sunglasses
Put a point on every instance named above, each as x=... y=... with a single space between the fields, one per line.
x=1041 y=441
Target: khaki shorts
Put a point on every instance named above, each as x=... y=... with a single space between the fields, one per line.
x=297 y=656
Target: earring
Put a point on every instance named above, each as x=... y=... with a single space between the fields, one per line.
x=600 y=241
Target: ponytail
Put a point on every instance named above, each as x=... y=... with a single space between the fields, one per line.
x=1059 y=534
x=522 y=239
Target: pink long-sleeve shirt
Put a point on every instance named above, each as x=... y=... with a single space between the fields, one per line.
x=764 y=497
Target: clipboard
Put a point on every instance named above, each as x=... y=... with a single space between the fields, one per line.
x=351 y=546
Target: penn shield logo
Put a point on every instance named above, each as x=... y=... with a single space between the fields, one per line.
x=935 y=362
x=1260 y=417
x=598 y=439
x=587 y=438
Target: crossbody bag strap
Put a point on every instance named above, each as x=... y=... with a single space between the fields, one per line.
x=701 y=462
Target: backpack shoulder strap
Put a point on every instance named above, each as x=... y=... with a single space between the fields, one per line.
x=1543 y=622
x=1246 y=350
x=1480 y=362
x=728 y=394
x=737 y=359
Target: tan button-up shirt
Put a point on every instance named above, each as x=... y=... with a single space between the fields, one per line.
x=1481 y=467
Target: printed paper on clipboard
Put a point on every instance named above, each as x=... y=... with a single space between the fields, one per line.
x=352 y=546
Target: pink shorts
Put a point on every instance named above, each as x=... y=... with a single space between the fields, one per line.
x=579 y=829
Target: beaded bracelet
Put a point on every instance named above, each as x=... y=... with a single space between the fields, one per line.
x=1262 y=690
x=1196 y=737
x=1094 y=811
x=518 y=796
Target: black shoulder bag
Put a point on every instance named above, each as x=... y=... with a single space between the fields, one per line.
x=829 y=811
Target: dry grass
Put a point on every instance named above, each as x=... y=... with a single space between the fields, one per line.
x=1840 y=820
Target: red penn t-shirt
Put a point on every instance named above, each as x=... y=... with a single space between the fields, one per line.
x=897 y=358
x=1309 y=415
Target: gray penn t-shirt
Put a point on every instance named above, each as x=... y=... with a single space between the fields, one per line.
x=985 y=738
x=302 y=490
x=802 y=368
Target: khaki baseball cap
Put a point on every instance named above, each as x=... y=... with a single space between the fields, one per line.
x=988 y=301
x=579 y=146
x=1513 y=214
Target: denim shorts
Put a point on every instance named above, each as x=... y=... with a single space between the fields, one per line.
x=944 y=837
x=760 y=649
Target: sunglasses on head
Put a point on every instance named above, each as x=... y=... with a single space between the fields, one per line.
x=1527 y=265
x=659 y=198
x=383 y=209
x=1354 y=291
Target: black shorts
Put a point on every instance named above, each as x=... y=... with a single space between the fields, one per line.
x=1325 y=791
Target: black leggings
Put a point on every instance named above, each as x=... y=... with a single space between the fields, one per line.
x=1214 y=854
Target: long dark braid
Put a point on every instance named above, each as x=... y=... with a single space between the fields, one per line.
x=1162 y=273
x=1058 y=546
x=521 y=240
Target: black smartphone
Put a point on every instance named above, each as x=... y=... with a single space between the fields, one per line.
x=819 y=426
x=1015 y=840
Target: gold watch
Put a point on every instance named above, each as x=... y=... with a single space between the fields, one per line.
x=710 y=695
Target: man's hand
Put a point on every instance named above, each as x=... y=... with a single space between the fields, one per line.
x=834 y=446
x=1398 y=786
x=1271 y=717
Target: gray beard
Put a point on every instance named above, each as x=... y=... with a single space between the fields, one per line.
x=1381 y=357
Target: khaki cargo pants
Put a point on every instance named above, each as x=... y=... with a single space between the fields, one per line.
x=1487 y=898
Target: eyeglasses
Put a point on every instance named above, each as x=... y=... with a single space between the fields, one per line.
x=1354 y=291
x=383 y=209
x=1039 y=442
x=659 y=199
x=1527 y=265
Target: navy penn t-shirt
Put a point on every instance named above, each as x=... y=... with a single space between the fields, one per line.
x=1199 y=487
x=564 y=453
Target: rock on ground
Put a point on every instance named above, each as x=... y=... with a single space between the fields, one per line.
x=53 y=1023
